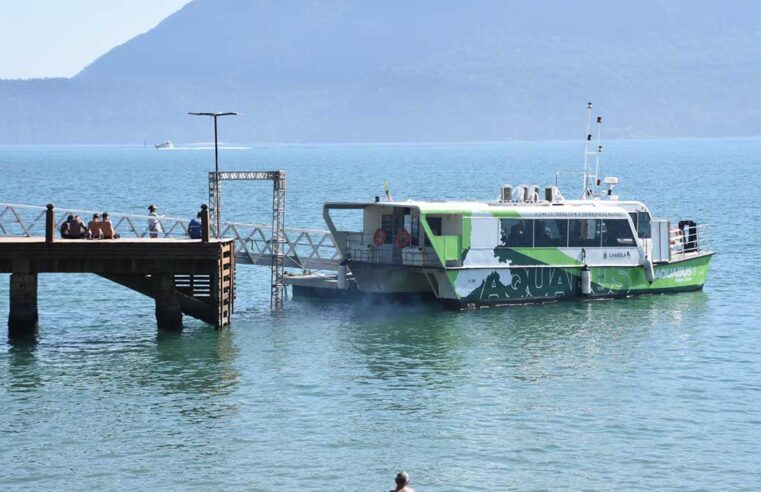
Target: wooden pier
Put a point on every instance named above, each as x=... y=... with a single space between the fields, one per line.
x=183 y=276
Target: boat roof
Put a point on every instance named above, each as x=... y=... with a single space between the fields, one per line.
x=596 y=207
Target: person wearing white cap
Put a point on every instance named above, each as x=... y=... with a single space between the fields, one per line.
x=402 y=480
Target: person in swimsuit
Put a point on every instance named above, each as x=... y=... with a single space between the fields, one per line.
x=107 y=228
x=402 y=481
x=93 y=227
x=77 y=229
x=64 y=229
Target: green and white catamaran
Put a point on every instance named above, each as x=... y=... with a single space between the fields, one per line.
x=526 y=246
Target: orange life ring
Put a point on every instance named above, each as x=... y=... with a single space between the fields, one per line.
x=379 y=237
x=403 y=238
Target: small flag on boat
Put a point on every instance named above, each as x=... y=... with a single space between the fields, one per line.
x=387 y=190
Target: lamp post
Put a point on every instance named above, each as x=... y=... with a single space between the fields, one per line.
x=217 y=215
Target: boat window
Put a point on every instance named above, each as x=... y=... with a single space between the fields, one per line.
x=516 y=233
x=411 y=225
x=387 y=224
x=616 y=233
x=551 y=233
x=643 y=225
x=641 y=221
x=584 y=233
x=350 y=219
x=435 y=224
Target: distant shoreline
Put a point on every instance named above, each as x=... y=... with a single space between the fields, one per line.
x=248 y=146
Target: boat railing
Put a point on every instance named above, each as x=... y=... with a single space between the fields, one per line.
x=422 y=256
x=361 y=247
x=689 y=240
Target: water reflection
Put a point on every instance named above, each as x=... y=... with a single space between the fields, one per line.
x=195 y=368
x=23 y=374
x=407 y=342
x=424 y=347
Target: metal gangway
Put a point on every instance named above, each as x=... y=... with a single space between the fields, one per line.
x=305 y=249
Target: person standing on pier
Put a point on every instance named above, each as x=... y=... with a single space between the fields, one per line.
x=154 y=226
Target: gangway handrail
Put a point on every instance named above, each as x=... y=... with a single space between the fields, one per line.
x=66 y=211
x=311 y=249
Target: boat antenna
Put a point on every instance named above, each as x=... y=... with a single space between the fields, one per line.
x=586 y=191
x=598 y=152
x=592 y=181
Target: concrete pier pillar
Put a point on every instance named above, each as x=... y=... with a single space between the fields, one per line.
x=23 y=317
x=168 y=311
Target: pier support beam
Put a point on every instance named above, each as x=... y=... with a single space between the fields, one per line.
x=23 y=317
x=168 y=311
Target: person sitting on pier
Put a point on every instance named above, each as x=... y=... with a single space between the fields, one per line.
x=107 y=228
x=93 y=227
x=77 y=229
x=154 y=226
x=194 y=228
x=64 y=229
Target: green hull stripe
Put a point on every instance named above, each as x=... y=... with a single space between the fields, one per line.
x=687 y=273
x=521 y=283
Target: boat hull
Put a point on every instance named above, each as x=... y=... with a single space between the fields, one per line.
x=381 y=279
x=472 y=287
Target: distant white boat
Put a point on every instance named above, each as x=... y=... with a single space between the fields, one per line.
x=165 y=145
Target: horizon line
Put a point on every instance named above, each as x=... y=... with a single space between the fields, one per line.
x=385 y=142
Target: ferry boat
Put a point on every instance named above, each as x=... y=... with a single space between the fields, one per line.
x=524 y=247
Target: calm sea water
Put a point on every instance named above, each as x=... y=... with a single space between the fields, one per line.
x=653 y=393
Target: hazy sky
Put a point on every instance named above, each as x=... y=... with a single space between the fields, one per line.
x=58 y=38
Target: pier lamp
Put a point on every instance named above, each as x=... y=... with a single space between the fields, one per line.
x=217 y=215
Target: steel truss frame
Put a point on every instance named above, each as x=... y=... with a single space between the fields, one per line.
x=277 y=243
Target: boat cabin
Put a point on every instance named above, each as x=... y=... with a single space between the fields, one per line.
x=463 y=234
